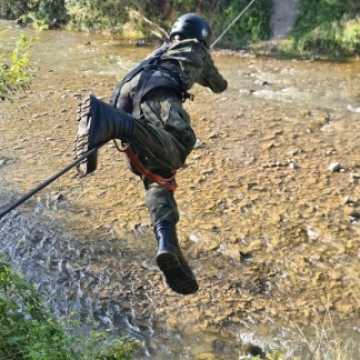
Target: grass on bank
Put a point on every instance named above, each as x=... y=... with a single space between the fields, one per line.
x=29 y=332
x=327 y=27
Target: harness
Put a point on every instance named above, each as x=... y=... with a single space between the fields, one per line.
x=151 y=68
x=138 y=167
x=148 y=69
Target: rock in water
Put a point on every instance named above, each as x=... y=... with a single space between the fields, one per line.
x=335 y=167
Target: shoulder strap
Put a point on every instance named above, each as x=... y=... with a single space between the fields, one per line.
x=148 y=63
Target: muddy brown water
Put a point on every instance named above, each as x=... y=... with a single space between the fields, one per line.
x=273 y=235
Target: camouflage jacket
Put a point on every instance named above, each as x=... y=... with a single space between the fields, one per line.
x=155 y=89
x=176 y=66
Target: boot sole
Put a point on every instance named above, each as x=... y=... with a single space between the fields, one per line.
x=175 y=276
x=84 y=114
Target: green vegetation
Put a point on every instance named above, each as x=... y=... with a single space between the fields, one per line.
x=43 y=14
x=28 y=332
x=114 y=16
x=252 y=27
x=330 y=27
x=14 y=72
x=324 y=27
x=11 y=9
x=97 y=15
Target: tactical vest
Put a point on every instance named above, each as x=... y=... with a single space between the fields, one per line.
x=152 y=77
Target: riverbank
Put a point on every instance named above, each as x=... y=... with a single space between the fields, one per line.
x=325 y=29
x=122 y=19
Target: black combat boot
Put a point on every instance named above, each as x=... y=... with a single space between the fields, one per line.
x=171 y=261
x=98 y=123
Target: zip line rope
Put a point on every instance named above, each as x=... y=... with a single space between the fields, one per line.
x=47 y=182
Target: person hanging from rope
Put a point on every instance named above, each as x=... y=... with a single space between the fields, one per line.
x=146 y=114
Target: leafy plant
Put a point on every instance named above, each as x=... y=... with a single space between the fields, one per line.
x=14 y=72
x=26 y=331
x=29 y=332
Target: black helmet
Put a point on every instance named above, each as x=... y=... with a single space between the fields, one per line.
x=192 y=26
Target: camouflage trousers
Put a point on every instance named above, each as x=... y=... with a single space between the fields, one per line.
x=162 y=139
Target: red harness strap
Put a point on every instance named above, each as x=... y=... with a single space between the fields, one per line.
x=167 y=183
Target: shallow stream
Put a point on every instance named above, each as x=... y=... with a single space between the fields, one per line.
x=95 y=264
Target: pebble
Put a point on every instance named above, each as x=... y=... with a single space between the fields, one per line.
x=58 y=197
x=262 y=82
x=245 y=257
x=209 y=171
x=348 y=200
x=355 y=215
x=205 y=240
x=246 y=91
x=330 y=152
x=293 y=165
x=312 y=234
x=353 y=109
x=335 y=167
x=254 y=350
x=354 y=177
x=199 y=144
x=214 y=135
x=196 y=157
x=294 y=152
